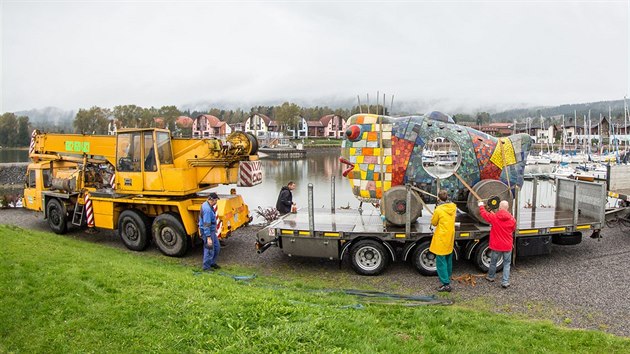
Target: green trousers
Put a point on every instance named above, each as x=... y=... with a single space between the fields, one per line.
x=444 y=266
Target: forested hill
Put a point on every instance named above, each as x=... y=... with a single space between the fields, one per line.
x=49 y=118
x=567 y=109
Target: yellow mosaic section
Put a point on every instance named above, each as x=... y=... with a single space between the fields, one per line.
x=370 y=175
x=508 y=153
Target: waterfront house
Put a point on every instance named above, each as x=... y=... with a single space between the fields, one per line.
x=206 y=126
x=315 y=129
x=301 y=131
x=334 y=126
x=258 y=124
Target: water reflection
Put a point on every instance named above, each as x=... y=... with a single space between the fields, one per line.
x=13 y=155
x=317 y=169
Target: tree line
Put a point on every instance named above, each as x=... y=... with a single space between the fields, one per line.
x=15 y=131
x=95 y=120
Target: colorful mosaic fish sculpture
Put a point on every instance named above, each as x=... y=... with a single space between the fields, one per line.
x=383 y=152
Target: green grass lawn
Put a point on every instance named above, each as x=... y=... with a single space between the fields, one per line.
x=58 y=294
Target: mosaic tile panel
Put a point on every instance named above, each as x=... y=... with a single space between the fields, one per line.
x=490 y=171
x=503 y=154
x=483 y=146
x=389 y=153
x=402 y=150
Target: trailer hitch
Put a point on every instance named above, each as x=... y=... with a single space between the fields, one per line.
x=260 y=247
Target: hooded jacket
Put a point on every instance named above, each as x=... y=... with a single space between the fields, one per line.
x=444 y=236
x=502 y=227
x=285 y=200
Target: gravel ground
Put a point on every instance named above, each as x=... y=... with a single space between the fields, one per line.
x=13 y=173
x=582 y=286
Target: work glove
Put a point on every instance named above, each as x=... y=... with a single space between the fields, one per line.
x=480 y=203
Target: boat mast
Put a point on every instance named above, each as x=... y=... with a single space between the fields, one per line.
x=600 y=148
x=575 y=127
x=589 y=134
x=563 y=136
x=584 y=136
x=610 y=129
x=625 y=125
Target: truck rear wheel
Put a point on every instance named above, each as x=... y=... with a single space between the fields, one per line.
x=57 y=215
x=169 y=235
x=482 y=257
x=424 y=260
x=132 y=230
x=369 y=257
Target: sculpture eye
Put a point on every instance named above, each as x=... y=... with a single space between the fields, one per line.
x=353 y=132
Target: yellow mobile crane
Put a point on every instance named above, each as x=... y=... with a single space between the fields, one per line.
x=139 y=182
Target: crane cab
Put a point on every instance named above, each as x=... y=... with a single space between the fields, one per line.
x=140 y=156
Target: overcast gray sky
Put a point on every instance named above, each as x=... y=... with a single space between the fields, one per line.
x=73 y=54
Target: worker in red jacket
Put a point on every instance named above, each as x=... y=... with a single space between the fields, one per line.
x=502 y=226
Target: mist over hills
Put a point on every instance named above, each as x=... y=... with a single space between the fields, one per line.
x=568 y=110
x=51 y=115
x=497 y=112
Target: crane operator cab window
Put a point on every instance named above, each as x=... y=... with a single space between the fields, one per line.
x=165 y=153
x=149 y=153
x=128 y=152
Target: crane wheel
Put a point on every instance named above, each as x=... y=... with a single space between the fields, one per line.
x=170 y=235
x=57 y=215
x=132 y=229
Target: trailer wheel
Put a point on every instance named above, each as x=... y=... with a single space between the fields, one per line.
x=482 y=257
x=132 y=229
x=369 y=257
x=57 y=216
x=424 y=260
x=169 y=235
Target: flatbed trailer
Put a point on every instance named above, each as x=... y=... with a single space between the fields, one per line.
x=372 y=244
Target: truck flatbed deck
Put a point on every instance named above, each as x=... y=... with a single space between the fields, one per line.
x=579 y=207
x=353 y=221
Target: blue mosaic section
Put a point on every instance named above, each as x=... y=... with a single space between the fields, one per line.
x=515 y=173
x=429 y=130
x=399 y=128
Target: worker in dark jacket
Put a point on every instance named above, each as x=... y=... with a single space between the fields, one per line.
x=285 y=199
x=502 y=226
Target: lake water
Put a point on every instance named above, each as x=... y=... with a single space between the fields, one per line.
x=13 y=155
x=318 y=169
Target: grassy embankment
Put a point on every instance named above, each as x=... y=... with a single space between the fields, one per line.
x=321 y=143
x=58 y=294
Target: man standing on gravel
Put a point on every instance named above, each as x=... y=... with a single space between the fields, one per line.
x=208 y=232
x=443 y=239
x=502 y=226
x=285 y=199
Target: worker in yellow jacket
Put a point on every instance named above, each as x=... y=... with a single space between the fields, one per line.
x=444 y=239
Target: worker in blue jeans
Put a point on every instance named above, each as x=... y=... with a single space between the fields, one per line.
x=208 y=231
